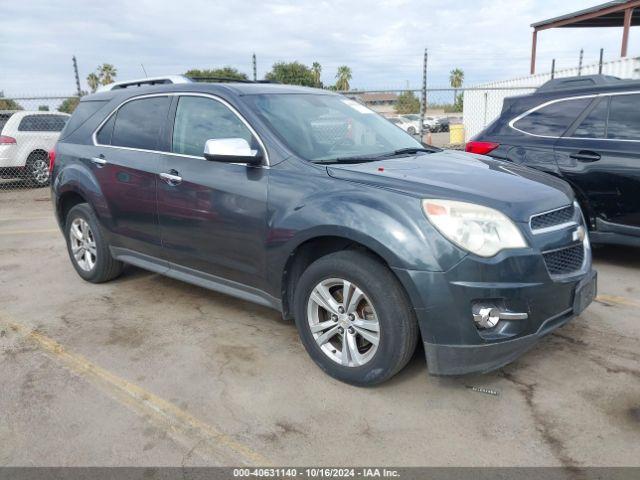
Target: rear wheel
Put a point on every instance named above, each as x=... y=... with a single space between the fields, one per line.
x=38 y=169
x=354 y=319
x=411 y=131
x=87 y=247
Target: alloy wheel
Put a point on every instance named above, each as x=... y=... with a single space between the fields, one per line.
x=40 y=171
x=343 y=322
x=83 y=244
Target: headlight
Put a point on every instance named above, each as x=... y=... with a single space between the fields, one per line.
x=480 y=230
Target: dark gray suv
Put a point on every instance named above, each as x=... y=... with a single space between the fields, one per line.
x=312 y=204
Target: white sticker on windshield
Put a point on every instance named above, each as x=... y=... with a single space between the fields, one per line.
x=356 y=106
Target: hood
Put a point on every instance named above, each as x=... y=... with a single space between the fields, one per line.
x=513 y=189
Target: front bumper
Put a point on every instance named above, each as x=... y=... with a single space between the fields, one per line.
x=463 y=359
x=443 y=305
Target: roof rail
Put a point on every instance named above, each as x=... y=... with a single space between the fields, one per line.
x=215 y=79
x=142 y=82
x=566 y=83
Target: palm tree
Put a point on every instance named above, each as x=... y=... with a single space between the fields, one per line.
x=342 y=78
x=316 y=69
x=107 y=73
x=93 y=81
x=456 y=77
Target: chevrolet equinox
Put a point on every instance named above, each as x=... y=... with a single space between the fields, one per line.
x=308 y=202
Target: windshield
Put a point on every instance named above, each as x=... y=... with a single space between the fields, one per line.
x=320 y=127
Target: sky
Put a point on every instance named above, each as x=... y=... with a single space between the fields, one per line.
x=382 y=41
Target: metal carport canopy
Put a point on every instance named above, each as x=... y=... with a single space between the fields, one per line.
x=610 y=14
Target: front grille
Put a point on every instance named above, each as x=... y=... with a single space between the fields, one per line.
x=553 y=218
x=564 y=260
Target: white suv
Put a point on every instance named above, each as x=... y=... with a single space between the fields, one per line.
x=25 y=140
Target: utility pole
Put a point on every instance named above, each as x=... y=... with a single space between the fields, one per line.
x=553 y=68
x=255 y=75
x=75 y=70
x=423 y=109
x=580 y=62
x=600 y=62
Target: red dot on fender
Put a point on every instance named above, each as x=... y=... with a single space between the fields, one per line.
x=381 y=169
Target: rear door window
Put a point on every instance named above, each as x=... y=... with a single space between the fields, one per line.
x=624 y=117
x=106 y=131
x=554 y=119
x=42 y=123
x=138 y=123
x=595 y=123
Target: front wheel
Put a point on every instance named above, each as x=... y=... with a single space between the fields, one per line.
x=354 y=318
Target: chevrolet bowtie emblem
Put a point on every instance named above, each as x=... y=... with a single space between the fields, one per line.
x=579 y=234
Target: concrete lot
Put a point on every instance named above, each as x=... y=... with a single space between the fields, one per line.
x=146 y=370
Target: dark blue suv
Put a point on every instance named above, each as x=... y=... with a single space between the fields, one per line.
x=585 y=130
x=310 y=203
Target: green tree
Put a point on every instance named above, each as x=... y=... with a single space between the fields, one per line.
x=459 y=103
x=9 y=104
x=342 y=78
x=407 y=103
x=107 y=73
x=69 y=105
x=316 y=69
x=43 y=108
x=227 y=73
x=93 y=81
x=291 y=73
x=456 y=78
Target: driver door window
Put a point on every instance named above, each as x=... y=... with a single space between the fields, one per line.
x=199 y=119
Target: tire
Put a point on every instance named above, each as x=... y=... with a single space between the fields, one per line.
x=411 y=131
x=38 y=169
x=397 y=327
x=95 y=263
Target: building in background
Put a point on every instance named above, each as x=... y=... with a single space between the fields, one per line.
x=381 y=102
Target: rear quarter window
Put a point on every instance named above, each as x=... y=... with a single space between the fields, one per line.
x=624 y=117
x=552 y=120
x=83 y=112
x=42 y=123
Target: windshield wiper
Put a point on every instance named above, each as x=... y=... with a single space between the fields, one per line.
x=409 y=150
x=354 y=159
x=373 y=158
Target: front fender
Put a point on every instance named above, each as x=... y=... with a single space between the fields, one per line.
x=389 y=223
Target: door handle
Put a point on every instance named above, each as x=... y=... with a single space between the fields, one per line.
x=585 y=156
x=100 y=161
x=171 y=178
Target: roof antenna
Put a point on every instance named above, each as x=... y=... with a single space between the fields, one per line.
x=145 y=72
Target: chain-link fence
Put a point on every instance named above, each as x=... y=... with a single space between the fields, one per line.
x=29 y=129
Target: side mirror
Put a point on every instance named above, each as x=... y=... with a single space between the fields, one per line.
x=231 y=150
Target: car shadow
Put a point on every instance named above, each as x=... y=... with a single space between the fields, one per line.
x=618 y=255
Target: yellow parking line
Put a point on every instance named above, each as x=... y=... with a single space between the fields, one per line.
x=184 y=427
x=26 y=232
x=618 y=300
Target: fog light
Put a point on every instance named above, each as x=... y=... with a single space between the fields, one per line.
x=486 y=317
